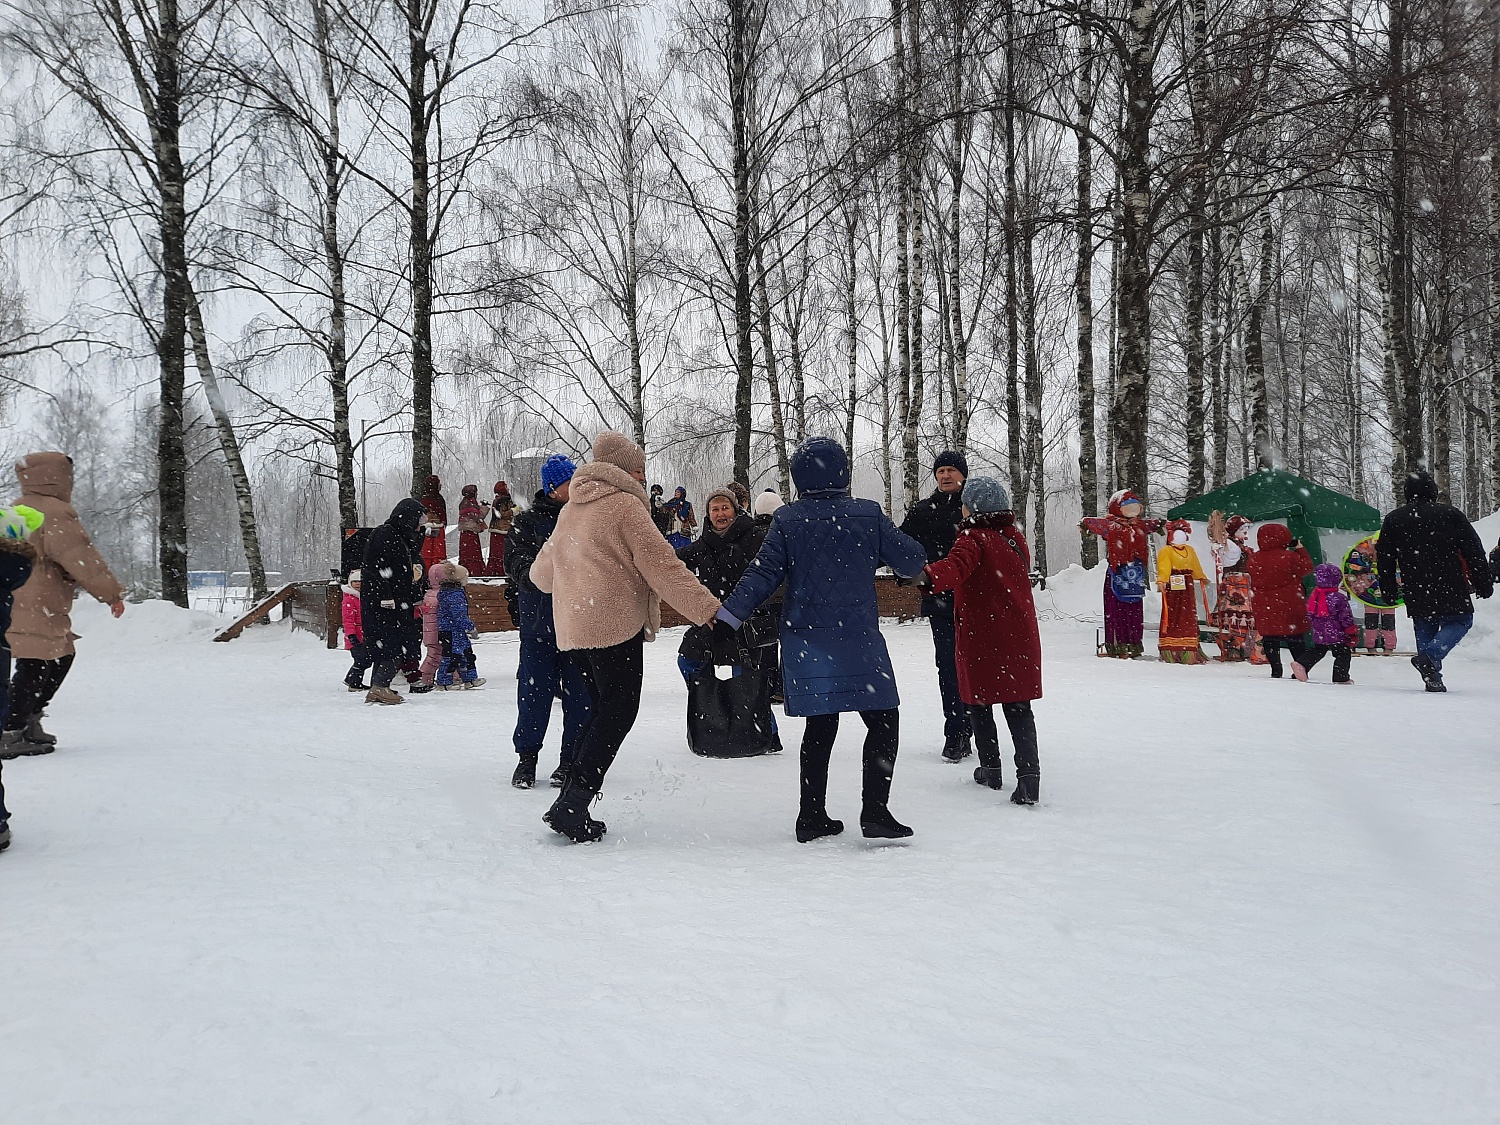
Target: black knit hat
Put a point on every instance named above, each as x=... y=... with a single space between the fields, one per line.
x=951 y=459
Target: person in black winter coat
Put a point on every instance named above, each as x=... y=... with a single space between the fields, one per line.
x=1440 y=560
x=720 y=557
x=934 y=524
x=544 y=672
x=729 y=719
x=17 y=557
x=387 y=595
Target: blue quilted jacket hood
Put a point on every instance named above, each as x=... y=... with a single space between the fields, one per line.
x=820 y=465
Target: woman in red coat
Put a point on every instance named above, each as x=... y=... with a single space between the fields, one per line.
x=1277 y=571
x=998 y=646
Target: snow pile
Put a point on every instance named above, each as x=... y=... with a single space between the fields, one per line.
x=1077 y=594
x=1489 y=530
x=145 y=624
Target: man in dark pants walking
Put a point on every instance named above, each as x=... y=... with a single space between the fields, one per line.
x=1440 y=559
x=386 y=595
x=934 y=524
x=544 y=672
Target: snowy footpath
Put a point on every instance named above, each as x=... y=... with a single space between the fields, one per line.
x=238 y=894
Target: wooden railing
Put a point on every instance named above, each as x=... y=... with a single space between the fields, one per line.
x=316 y=607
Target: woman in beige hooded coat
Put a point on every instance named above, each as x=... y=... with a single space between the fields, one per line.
x=41 y=629
x=607 y=568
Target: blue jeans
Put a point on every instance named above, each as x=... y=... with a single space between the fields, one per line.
x=542 y=675
x=1438 y=636
x=944 y=640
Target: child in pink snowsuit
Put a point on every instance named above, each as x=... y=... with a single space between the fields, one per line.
x=354 y=634
x=432 y=645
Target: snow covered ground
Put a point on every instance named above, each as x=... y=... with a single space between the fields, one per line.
x=238 y=894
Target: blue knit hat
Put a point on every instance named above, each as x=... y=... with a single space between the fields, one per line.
x=557 y=470
x=985 y=495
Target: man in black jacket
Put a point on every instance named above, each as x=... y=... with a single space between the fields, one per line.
x=543 y=672
x=934 y=524
x=1439 y=558
x=386 y=595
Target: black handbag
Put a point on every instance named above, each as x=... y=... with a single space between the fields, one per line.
x=731 y=718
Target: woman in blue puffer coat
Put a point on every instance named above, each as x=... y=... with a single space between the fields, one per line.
x=826 y=547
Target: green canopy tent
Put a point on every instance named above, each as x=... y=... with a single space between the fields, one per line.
x=1327 y=523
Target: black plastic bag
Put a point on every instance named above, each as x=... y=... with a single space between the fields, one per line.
x=731 y=718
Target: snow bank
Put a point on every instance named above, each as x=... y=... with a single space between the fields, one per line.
x=145 y=624
x=1077 y=594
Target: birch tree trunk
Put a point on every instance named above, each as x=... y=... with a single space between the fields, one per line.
x=1219 y=393
x=1133 y=387
x=420 y=246
x=773 y=379
x=1036 y=451
x=914 y=150
x=1390 y=379
x=1083 y=283
x=1012 y=325
x=1197 y=221
x=739 y=96
x=229 y=444
x=903 y=212
x=1255 y=357
x=1412 y=444
x=337 y=344
x=851 y=327
x=171 y=444
x=1494 y=250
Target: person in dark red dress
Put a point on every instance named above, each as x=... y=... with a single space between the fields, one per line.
x=471 y=519
x=999 y=647
x=434 y=525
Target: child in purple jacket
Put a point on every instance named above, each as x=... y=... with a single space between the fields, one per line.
x=1333 y=626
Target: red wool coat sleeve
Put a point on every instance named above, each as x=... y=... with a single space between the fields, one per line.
x=999 y=646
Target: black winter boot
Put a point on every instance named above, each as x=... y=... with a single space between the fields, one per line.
x=1432 y=679
x=813 y=821
x=559 y=778
x=569 y=816
x=14 y=744
x=990 y=776
x=35 y=733
x=525 y=775
x=875 y=819
x=1026 y=789
x=956 y=749
x=815 y=824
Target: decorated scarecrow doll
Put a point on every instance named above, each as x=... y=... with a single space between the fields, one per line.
x=1178 y=575
x=1124 y=531
x=1234 y=614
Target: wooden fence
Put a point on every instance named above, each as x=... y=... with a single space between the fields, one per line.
x=316 y=607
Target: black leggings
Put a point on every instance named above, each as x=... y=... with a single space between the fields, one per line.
x=1022 y=724
x=882 y=736
x=34 y=685
x=1272 y=647
x=612 y=677
x=1341 y=657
